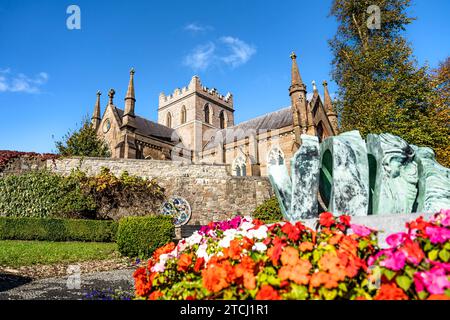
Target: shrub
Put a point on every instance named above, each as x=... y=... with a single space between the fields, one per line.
x=118 y=196
x=54 y=229
x=140 y=236
x=43 y=194
x=269 y=211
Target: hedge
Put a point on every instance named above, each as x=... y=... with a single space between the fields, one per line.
x=269 y=211
x=140 y=236
x=55 y=229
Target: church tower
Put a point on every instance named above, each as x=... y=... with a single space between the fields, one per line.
x=196 y=113
x=331 y=114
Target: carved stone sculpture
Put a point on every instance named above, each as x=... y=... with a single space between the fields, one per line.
x=393 y=174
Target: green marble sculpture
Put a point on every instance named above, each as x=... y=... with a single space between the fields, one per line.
x=434 y=182
x=384 y=175
x=393 y=177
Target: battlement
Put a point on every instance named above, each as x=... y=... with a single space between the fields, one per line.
x=196 y=86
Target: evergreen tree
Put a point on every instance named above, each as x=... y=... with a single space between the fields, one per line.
x=83 y=142
x=381 y=87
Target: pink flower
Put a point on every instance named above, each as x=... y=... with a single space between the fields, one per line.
x=438 y=234
x=396 y=239
x=361 y=231
x=394 y=261
x=442 y=217
x=435 y=281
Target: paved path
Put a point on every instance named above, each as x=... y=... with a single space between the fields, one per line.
x=61 y=288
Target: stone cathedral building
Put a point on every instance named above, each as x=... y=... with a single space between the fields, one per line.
x=196 y=124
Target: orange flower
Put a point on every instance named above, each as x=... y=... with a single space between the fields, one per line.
x=299 y=272
x=306 y=246
x=323 y=278
x=184 y=262
x=155 y=295
x=164 y=249
x=329 y=261
x=214 y=278
x=390 y=292
x=141 y=283
x=335 y=239
x=246 y=265
x=267 y=293
x=412 y=251
x=289 y=256
x=249 y=281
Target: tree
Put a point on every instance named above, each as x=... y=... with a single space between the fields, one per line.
x=83 y=142
x=441 y=82
x=381 y=87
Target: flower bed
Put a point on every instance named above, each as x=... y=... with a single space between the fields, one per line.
x=245 y=259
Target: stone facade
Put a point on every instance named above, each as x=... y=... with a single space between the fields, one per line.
x=196 y=124
x=212 y=192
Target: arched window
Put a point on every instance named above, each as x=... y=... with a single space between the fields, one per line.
x=169 y=120
x=239 y=167
x=207 y=113
x=275 y=157
x=183 y=114
x=222 y=119
x=320 y=131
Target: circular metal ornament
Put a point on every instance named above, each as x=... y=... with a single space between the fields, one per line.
x=179 y=208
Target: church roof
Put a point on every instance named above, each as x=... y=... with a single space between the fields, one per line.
x=270 y=121
x=149 y=128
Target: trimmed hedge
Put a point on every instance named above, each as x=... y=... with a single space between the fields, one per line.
x=55 y=229
x=140 y=236
x=269 y=211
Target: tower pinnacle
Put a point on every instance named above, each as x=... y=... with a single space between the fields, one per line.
x=96 y=115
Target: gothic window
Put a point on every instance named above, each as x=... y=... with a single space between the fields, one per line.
x=183 y=115
x=222 y=119
x=239 y=167
x=207 y=112
x=169 y=120
x=320 y=132
x=275 y=157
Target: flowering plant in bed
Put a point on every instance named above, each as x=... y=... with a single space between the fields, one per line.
x=416 y=265
x=244 y=259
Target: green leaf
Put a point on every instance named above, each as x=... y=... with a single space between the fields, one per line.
x=404 y=282
x=433 y=254
x=444 y=255
x=423 y=295
x=389 y=273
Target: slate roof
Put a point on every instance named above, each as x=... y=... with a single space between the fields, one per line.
x=149 y=128
x=270 y=121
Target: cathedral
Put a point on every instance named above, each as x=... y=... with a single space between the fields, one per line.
x=196 y=124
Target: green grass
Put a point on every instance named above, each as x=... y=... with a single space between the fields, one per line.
x=15 y=253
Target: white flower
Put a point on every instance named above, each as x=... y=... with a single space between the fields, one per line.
x=259 y=246
x=260 y=233
x=201 y=252
x=225 y=242
x=196 y=238
x=246 y=225
x=159 y=267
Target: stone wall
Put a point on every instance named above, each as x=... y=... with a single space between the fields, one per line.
x=22 y=164
x=212 y=192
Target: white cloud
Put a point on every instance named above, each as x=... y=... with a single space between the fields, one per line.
x=201 y=57
x=196 y=27
x=240 y=53
x=227 y=51
x=20 y=82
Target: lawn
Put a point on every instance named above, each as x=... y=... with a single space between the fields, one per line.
x=14 y=253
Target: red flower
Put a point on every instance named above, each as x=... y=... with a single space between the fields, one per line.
x=412 y=251
x=390 y=292
x=345 y=220
x=163 y=250
x=267 y=293
x=199 y=263
x=184 y=262
x=326 y=219
x=274 y=252
x=292 y=231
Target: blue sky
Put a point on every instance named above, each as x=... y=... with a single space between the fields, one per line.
x=49 y=74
